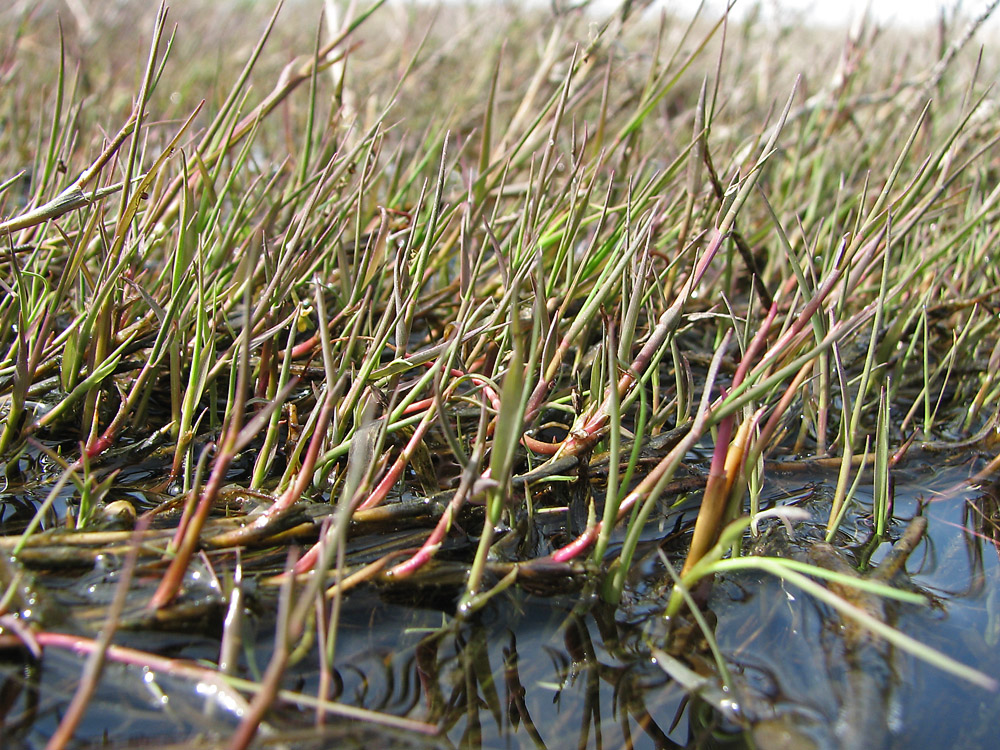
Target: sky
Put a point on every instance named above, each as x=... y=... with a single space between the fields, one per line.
x=840 y=12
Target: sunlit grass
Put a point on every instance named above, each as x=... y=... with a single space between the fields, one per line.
x=469 y=251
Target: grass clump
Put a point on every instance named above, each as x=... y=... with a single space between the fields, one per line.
x=396 y=271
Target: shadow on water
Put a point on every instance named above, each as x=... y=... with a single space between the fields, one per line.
x=561 y=668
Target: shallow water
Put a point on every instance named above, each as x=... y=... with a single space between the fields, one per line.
x=785 y=649
x=565 y=669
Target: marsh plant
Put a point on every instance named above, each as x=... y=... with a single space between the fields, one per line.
x=500 y=288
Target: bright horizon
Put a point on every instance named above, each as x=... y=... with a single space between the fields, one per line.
x=842 y=12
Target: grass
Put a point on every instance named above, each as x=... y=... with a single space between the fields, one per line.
x=468 y=255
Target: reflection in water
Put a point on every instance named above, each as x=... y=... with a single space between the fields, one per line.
x=566 y=670
x=525 y=672
x=572 y=672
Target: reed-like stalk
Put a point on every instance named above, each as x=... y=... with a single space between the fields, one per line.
x=466 y=287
